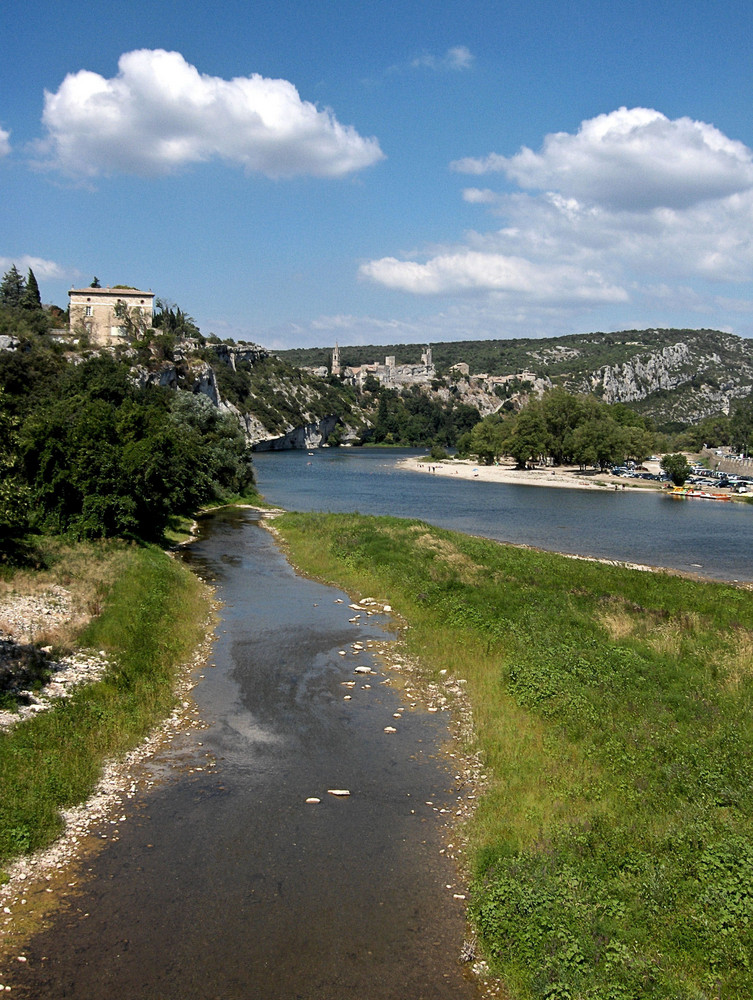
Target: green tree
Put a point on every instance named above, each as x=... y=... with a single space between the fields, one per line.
x=12 y=288
x=741 y=427
x=528 y=440
x=677 y=468
x=562 y=412
x=487 y=440
x=132 y=320
x=30 y=298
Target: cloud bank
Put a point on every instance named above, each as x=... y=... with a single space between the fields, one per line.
x=159 y=114
x=633 y=209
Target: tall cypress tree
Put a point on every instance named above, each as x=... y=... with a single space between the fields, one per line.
x=12 y=288
x=31 y=298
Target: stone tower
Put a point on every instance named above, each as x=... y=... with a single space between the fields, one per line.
x=336 y=359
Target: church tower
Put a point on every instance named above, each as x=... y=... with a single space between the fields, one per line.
x=336 y=359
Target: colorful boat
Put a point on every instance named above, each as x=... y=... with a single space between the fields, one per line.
x=688 y=493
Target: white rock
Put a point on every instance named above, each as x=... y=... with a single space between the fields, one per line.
x=340 y=792
x=313 y=800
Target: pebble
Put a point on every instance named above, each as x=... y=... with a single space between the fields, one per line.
x=340 y=792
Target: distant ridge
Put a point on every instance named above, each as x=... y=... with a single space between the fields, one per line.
x=673 y=375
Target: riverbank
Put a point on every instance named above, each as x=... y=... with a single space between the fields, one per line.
x=612 y=710
x=563 y=477
x=69 y=767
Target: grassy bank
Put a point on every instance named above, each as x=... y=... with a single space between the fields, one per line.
x=150 y=611
x=613 y=853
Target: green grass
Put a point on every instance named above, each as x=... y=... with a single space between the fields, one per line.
x=151 y=622
x=613 y=851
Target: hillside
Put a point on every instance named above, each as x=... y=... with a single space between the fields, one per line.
x=670 y=375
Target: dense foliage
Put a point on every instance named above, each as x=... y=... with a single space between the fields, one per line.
x=677 y=468
x=97 y=456
x=413 y=417
x=614 y=711
x=562 y=427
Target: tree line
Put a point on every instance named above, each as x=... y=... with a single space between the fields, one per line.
x=85 y=451
x=566 y=428
x=562 y=428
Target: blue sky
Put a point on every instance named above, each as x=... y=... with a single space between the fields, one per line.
x=303 y=172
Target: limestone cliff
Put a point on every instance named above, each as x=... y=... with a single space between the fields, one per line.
x=278 y=406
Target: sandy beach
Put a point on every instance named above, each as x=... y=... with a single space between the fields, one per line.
x=567 y=477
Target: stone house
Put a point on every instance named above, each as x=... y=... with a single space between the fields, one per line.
x=105 y=315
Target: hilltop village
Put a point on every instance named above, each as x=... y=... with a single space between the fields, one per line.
x=390 y=375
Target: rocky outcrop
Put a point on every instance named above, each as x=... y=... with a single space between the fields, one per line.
x=471 y=392
x=311 y=435
x=678 y=382
x=231 y=354
x=643 y=375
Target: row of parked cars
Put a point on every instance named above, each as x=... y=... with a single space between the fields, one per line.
x=700 y=476
x=720 y=480
x=639 y=472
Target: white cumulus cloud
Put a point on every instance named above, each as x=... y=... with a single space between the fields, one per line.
x=474 y=270
x=160 y=114
x=4 y=142
x=632 y=159
x=43 y=269
x=631 y=210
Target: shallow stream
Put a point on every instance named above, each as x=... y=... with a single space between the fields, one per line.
x=224 y=882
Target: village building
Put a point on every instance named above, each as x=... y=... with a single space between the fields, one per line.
x=389 y=374
x=105 y=316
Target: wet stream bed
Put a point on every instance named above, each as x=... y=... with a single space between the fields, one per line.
x=224 y=881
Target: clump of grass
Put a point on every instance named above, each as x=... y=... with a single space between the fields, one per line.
x=614 y=848
x=151 y=621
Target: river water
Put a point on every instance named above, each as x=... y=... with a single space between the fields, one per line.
x=224 y=882
x=642 y=526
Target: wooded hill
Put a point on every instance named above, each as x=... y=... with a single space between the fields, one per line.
x=677 y=376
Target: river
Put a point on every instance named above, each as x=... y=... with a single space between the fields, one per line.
x=224 y=883
x=714 y=540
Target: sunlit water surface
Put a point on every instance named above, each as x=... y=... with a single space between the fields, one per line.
x=632 y=525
